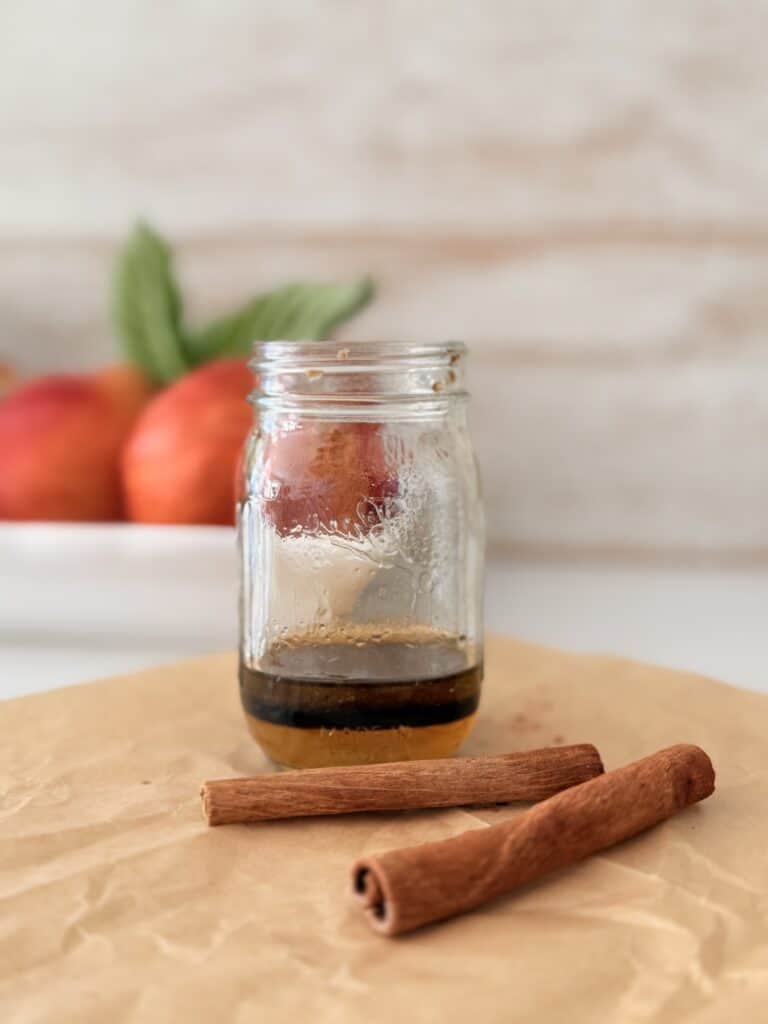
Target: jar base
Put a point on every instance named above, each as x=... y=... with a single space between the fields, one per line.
x=291 y=747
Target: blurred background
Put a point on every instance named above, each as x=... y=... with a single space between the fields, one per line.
x=579 y=192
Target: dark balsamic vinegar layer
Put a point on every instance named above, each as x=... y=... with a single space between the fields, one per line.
x=387 y=684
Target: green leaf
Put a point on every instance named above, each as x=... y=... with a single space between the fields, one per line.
x=148 y=315
x=295 y=312
x=147 y=307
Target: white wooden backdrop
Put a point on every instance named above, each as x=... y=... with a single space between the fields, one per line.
x=579 y=190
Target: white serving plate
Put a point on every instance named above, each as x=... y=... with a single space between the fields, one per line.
x=79 y=601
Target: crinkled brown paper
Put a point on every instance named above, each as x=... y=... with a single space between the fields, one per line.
x=119 y=905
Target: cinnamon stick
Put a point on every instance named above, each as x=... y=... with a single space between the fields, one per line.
x=404 y=889
x=402 y=785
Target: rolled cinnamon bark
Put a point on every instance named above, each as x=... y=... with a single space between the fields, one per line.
x=402 y=785
x=404 y=889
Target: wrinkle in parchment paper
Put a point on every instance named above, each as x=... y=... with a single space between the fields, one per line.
x=118 y=904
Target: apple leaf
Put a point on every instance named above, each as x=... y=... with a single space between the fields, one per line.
x=147 y=306
x=147 y=312
x=295 y=312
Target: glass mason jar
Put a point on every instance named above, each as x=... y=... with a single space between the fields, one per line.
x=361 y=539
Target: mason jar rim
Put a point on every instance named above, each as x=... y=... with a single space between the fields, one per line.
x=358 y=379
x=349 y=356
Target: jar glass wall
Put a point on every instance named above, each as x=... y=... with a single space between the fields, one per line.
x=361 y=538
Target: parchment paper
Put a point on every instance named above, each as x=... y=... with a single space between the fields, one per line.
x=117 y=904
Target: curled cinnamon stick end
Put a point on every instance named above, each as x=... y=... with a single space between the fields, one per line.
x=402 y=785
x=405 y=889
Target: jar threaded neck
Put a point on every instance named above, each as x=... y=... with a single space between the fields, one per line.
x=358 y=373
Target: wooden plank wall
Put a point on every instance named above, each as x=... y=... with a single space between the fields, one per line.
x=580 y=191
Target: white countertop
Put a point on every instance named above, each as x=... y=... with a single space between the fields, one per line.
x=711 y=621
x=80 y=603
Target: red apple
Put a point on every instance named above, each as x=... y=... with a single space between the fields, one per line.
x=327 y=474
x=60 y=441
x=179 y=462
